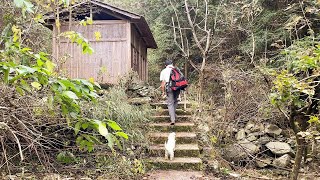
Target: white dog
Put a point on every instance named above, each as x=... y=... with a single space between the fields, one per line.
x=170 y=146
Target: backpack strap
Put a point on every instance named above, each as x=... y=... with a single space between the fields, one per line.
x=168 y=84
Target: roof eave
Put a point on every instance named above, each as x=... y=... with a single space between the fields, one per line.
x=136 y=19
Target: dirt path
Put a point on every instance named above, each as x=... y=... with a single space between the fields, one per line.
x=176 y=175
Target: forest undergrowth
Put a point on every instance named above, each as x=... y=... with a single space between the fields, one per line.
x=256 y=62
x=36 y=138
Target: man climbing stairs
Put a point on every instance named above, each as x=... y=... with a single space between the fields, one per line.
x=186 y=151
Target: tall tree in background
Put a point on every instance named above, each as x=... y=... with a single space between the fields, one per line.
x=198 y=23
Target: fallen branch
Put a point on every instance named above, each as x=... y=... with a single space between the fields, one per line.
x=2 y=124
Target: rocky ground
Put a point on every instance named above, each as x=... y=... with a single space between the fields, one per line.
x=140 y=94
x=264 y=146
x=174 y=175
x=261 y=151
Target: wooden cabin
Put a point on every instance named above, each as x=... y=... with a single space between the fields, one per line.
x=125 y=38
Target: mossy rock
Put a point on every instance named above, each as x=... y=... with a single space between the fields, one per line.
x=176 y=164
x=161 y=112
x=181 y=150
x=178 y=127
x=166 y=118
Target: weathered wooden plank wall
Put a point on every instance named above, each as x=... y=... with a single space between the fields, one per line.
x=139 y=54
x=111 y=51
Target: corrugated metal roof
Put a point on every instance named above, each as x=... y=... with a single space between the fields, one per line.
x=139 y=21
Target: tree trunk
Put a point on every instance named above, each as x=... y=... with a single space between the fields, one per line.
x=299 y=153
x=186 y=91
x=200 y=92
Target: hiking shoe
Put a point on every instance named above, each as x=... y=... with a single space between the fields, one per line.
x=172 y=124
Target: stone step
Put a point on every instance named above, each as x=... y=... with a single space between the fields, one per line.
x=181 y=137
x=166 y=118
x=178 y=127
x=176 y=175
x=181 y=105
x=159 y=112
x=178 y=163
x=181 y=150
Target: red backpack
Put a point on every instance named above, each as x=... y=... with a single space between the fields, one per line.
x=177 y=80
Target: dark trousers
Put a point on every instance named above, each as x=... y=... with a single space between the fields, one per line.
x=172 y=101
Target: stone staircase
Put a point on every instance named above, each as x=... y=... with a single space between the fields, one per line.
x=187 y=151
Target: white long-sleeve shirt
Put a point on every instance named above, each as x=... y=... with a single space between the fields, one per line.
x=165 y=73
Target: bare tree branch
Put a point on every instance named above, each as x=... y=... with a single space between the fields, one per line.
x=193 y=28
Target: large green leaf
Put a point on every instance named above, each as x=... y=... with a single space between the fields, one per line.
x=36 y=85
x=87 y=83
x=39 y=62
x=90 y=146
x=85 y=125
x=25 y=69
x=102 y=128
x=20 y=91
x=117 y=142
x=79 y=139
x=110 y=139
x=87 y=144
x=64 y=109
x=70 y=95
x=6 y=75
x=60 y=86
x=50 y=66
x=122 y=134
x=66 y=2
x=65 y=157
x=25 y=85
x=67 y=83
x=77 y=127
x=19 y=3
x=97 y=85
x=28 y=6
x=114 y=125
x=88 y=137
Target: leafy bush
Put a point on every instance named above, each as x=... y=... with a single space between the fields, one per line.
x=45 y=115
x=296 y=92
x=129 y=117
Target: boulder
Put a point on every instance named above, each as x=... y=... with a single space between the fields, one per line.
x=292 y=161
x=135 y=87
x=287 y=133
x=251 y=137
x=261 y=163
x=249 y=125
x=241 y=134
x=139 y=101
x=249 y=147
x=235 y=175
x=308 y=160
x=259 y=128
x=51 y=176
x=291 y=142
x=273 y=130
x=282 y=161
x=204 y=128
x=141 y=91
x=213 y=166
x=264 y=140
x=239 y=151
x=279 y=148
x=247 y=131
x=145 y=91
x=258 y=134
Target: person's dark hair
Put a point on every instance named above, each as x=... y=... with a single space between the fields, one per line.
x=168 y=62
